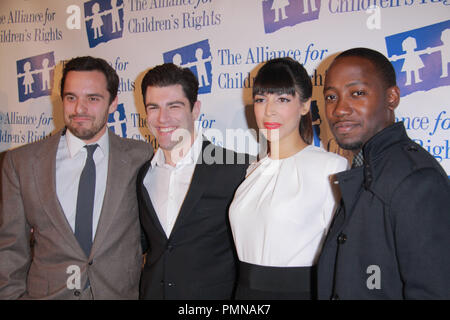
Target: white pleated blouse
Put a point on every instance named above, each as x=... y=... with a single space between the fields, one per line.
x=281 y=212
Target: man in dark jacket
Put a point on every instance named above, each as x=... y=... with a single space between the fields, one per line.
x=390 y=237
x=184 y=193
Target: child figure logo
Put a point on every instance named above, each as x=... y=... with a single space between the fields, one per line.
x=35 y=76
x=283 y=13
x=117 y=121
x=420 y=57
x=196 y=57
x=104 y=20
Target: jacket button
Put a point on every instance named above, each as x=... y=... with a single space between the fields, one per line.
x=342 y=238
x=170 y=284
x=169 y=248
x=335 y=297
x=76 y=293
x=412 y=148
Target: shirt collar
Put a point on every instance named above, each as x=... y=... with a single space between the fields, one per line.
x=190 y=158
x=75 y=144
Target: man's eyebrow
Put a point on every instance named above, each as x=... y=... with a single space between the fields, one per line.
x=151 y=104
x=353 y=83
x=89 y=94
x=356 y=82
x=95 y=95
x=175 y=102
x=170 y=103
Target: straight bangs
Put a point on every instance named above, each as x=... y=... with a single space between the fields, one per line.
x=274 y=79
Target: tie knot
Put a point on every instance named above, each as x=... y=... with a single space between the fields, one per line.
x=91 y=149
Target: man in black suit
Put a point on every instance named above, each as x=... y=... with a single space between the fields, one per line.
x=184 y=193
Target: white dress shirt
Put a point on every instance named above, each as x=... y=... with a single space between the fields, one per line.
x=70 y=160
x=168 y=185
x=281 y=212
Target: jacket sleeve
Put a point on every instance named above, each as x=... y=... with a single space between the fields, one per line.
x=15 y=253
x=421 y=213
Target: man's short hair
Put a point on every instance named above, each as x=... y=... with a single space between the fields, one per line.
x=169 y=74
x=381 y=63
x=88 y=63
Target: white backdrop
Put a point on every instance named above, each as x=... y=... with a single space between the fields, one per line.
x=224 y=43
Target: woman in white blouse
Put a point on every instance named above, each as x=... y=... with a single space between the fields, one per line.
x=281 y=212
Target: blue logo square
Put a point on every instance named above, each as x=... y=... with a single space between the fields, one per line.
x=104 y=20
x=196 y=57
x=420 y=57
x=117 y=121
x=35 y=76
x=278 y=14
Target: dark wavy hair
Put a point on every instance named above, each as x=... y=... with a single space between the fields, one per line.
x=169 y=74
x=88 y=63
x=287 y=76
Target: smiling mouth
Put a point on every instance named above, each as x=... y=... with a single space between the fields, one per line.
x=272 y=125
x=166 y=129
x=344 y=127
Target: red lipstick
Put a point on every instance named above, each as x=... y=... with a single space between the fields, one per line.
x=272 y=125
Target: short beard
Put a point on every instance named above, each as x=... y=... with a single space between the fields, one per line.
x=351 y=146
x=84 y=134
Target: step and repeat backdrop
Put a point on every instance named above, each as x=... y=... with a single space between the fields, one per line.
x=224 y=42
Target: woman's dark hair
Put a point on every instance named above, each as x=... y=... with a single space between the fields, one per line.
x=88 y=63
x=287 y=76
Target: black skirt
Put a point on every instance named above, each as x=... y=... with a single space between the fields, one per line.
x=275 y=283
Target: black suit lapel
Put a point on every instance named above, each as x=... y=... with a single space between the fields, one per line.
x=202 y=174
x=146 y=204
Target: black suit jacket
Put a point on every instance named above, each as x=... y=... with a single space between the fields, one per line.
x=198 y=260
x=390 y=237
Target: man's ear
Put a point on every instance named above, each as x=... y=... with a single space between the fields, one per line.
x=113 y=106
x=196 y=110
x=393 y=97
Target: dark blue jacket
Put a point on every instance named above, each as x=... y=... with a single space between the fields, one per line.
x=390 y=238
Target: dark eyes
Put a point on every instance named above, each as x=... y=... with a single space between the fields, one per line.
x=172 y=107
x=355 y=94
x=90 y=99
x=330 y=97
x=94 y=99
x=358 y=93
x=280 y=99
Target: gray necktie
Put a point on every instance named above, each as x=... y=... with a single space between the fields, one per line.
x=85 y=202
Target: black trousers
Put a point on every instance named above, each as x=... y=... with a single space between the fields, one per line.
x=275 y=283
